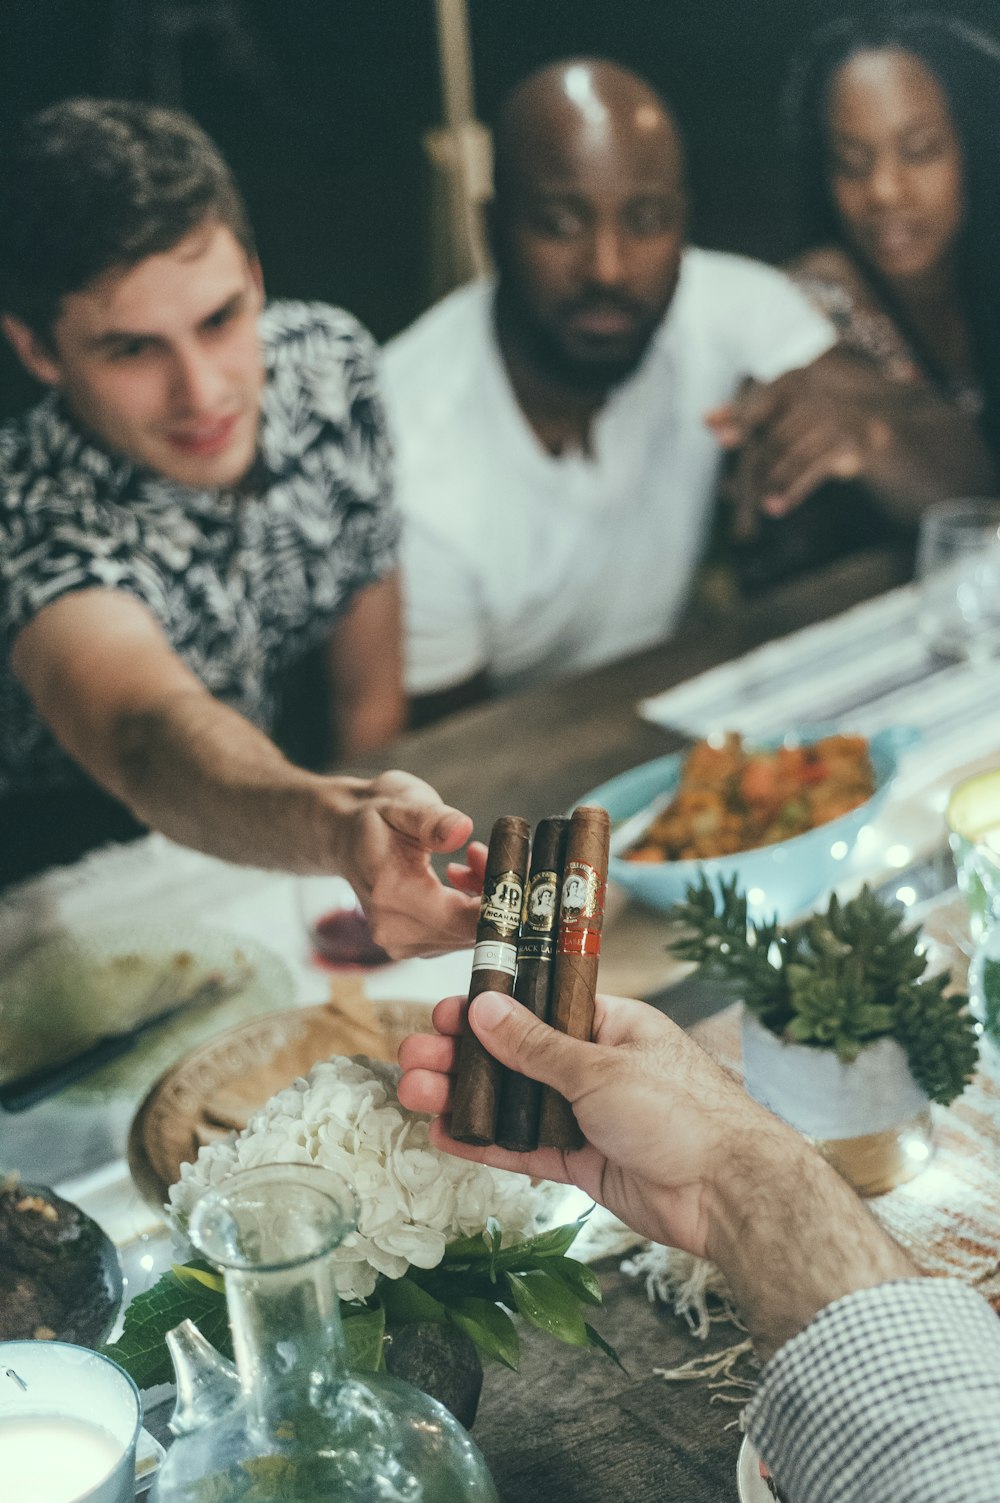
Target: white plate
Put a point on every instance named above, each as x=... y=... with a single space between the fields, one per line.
x=749 y=1483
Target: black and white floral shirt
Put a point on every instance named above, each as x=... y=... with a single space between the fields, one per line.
x=241 y=582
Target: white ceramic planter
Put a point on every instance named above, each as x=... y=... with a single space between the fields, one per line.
x=869 y=1117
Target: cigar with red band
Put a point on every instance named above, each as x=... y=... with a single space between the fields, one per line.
x=578 y=950
x=521 y=1098
x=494 y=965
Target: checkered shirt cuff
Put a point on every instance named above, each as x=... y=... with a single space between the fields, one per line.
x=890 y=1395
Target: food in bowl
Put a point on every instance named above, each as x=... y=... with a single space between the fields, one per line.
x=60 y=1278
x=733 y=798
x=780 y=879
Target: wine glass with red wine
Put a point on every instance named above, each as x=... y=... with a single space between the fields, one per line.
x=338 y=931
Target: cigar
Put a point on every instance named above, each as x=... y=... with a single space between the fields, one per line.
x=494 y=964
x=521 y=1098
x=578 y=952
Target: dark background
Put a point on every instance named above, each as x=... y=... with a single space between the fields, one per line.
x=320 y=105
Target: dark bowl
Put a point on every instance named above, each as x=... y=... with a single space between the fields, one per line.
x=60 y=1274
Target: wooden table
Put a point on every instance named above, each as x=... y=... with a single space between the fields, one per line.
x=571 y=1428
x=534 y=753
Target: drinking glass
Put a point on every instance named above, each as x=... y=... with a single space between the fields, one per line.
x=984 y=990
x=958 y=569
x=973 y=819
x=338 y=931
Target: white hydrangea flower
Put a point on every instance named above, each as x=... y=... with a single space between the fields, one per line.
x=346 y=1116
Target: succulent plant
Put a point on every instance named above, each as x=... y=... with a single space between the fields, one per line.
x=838 y=980
x=937 y=1034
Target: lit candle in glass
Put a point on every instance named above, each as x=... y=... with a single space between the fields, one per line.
x=54 y=1458
x=70 y=1420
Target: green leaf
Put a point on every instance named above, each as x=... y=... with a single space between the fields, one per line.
x=484 y=1245
x=363 y=1333
x=481 y=1249
x=836 y=980
x=847 y=1049
x=467 y=1249
x=799 y=1030
x=549 y=1305
x=596 y=1339
x=194 y=1273
x=551 y=1244
x=472 y=1265
x=577 y=1277
x=450 y=1281
x=491 y=1328
x=141 y=1348
x=405 y=1301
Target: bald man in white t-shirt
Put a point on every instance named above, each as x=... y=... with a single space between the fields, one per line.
x=559 y=430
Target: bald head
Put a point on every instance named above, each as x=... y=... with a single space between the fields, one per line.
x=579 y=109
x=588 y=221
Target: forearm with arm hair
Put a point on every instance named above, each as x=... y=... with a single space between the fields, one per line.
x=790 y=1237
x=208 y=778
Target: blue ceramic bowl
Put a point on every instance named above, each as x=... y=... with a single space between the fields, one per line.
x=784 y=878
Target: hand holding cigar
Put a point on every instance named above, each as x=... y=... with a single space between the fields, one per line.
x=557 y=983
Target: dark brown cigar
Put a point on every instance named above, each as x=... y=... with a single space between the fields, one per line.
x=521 y=1098
x=494 y=963
x=578 y=952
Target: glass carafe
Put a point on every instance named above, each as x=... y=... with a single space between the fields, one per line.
x=303 y=1429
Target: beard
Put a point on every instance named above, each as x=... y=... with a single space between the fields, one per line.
x=583 y=363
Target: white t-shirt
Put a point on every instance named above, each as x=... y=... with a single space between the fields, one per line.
x=530 y=565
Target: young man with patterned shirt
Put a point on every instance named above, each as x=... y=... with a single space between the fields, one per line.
x=203 y=496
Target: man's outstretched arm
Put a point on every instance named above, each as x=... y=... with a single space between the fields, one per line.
x=121 y=702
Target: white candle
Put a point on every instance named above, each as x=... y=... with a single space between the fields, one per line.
x=53 y=1458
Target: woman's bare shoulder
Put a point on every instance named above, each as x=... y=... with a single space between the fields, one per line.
x=836 y=285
